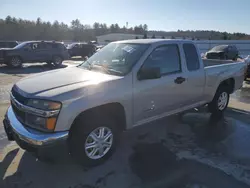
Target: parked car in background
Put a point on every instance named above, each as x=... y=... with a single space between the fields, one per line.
x=93 y=42
x=223 y=52
x=34 y=51
x=81 y=49
x=126 y=84
x=98 y=47
x=8 y=44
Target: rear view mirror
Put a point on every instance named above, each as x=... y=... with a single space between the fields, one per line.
x=149 y=73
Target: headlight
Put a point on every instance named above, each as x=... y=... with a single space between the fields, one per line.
x=43 y=122
x=44 y=104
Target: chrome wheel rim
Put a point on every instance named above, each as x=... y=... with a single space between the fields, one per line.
x=222 y=101
x=15 y=61
x=98 y=142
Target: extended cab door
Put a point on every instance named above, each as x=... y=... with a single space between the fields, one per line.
x=155 y=97
x=194 y=74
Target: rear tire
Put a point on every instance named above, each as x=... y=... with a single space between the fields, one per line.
x=15 y=62
x=86 y=141
x=220 y=101
x=57 y=61
x=235 y=58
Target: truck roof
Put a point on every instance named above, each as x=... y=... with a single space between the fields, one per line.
x=152 y=41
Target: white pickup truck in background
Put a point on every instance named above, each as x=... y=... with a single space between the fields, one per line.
x=123 y=85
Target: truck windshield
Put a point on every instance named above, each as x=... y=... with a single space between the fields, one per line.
x=71 y=45
x=219 y=48
x=116 y=58
x=21 y=45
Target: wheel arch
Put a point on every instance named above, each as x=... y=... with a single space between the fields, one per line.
x=230 y=83
x=9 y=57
x=114 y=109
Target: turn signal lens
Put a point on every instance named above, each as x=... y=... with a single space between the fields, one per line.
x=51 y=123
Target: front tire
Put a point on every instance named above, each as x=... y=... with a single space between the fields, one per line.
x=93 y=140
x=15 y=62
x=220 y=101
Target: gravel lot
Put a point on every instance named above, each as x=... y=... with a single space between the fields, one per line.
x=196 y=150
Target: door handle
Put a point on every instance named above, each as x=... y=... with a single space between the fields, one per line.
x=179 y=80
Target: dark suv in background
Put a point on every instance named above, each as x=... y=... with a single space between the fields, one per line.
x=81 y=49
x=226 y=52
x=34 y=51
x=8 y=44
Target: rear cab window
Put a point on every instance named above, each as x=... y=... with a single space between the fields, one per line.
x=191 y=56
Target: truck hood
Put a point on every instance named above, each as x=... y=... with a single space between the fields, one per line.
x=61 y=79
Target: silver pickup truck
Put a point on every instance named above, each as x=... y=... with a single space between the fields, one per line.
x=125 y=84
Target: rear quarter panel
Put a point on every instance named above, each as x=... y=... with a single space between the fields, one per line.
x=218 y=73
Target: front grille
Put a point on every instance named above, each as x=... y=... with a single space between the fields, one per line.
x=19 y=97
x=19 y=114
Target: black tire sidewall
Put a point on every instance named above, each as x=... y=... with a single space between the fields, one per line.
x=79 y=133
x=57 y=65
x=10 y=62
x=213 y=106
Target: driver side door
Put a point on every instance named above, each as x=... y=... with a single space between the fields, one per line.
x=28 y=54
x=154 y=98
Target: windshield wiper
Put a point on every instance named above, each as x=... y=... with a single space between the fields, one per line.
x=107 y=69
x=100 y=65
x=89 y=64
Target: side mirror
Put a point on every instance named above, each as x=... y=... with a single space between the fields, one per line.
x=149 y=73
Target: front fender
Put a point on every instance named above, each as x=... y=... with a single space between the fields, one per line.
x=70 y=111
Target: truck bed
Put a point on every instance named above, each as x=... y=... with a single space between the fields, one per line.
x=212 y=62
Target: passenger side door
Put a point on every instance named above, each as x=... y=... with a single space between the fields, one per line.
x=155 y=97
x=77 y=50
x=43 y=52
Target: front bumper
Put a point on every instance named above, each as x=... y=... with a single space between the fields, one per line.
x=27 y=137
